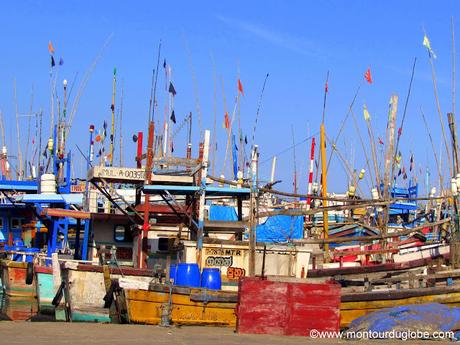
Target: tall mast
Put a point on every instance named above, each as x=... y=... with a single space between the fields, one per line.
x=112 y=131
x=295 y=162
x=121 y=123
x=20 y=172
x=324 y=172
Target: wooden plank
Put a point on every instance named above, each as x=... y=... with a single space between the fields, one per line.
x=62 y=213
x=398 y=294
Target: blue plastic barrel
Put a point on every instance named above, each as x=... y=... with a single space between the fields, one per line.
x=30 y=253
x=210 y=279
x=19 y=243
x=188 y=275
x=172 y=271
x=17 y=248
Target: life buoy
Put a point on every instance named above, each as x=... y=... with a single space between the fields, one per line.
x=30 y=273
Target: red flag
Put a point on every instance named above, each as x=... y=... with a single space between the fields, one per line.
x=326 y=88
x=227 y=121
x=240 y=87
x=380 y=141
x=368 y=76
x=50 y=48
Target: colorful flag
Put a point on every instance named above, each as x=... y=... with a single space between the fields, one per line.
x=246 y=139
x=380 y=141
x=368 y=76
x=173 y=117
x=367 y=116
x=227 y=121
x=427 y=44
x=50 y=48
x=326 y=87
x=399 y=131
x=164 y=64
x=240 y=87
x=172 y=89
x=411 y=167
x=52 y=61
x=61 y=61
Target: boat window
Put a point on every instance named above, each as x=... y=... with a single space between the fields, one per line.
x=122 y=233
x=15 y=223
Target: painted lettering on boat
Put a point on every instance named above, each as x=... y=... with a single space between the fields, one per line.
x=223 y=251
x=235 y=273
x=219 y=261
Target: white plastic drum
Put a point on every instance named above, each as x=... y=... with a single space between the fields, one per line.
x=48 y=184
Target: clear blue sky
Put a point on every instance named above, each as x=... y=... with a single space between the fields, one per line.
x=297 y=42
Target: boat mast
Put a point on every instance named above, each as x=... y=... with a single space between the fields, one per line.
x=112 y=107
x=324 y=173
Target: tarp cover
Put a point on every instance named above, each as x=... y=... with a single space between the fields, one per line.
x=431 y=317
x=280 y=229
x=222 y=213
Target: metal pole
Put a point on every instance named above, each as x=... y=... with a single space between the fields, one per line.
x=204 y=173
x=324 y=188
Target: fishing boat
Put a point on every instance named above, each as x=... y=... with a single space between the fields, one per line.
x=179 y=306
x=84 y=288
x=401 y=289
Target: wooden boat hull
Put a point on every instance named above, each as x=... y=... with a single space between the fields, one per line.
x=45 y=289
x=85 y=291
x=355 y=305
x=19 y=308
x=14 y=279
x=146 y=307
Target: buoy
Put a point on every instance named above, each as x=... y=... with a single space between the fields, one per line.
x=239 y=175
x=50 y=144
x=351 y=191
x=453 y=187
x=375 y=193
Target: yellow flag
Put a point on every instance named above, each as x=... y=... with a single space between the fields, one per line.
x=427 y=44
x=366 y=114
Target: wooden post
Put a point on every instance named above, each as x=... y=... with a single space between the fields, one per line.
x=324 y=187
x=387 y=184
x=453 y=132
x=140 y=137
x=204 y=174
x=148 y=178
x=455 y=241
x=252 y=211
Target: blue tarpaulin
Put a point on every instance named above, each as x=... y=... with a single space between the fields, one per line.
x=280 y=229
x=222 y=213
x=431 y=317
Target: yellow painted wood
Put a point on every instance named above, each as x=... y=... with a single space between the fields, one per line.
x=146 y=307
x=352 y=310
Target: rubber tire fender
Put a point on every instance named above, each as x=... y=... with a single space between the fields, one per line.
x=30 y=273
